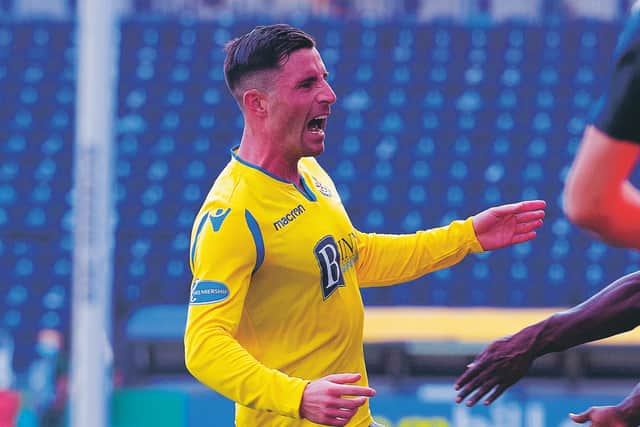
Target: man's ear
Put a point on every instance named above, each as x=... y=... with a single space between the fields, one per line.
x=254 y=101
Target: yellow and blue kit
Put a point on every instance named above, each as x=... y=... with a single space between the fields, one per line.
x=275 y=299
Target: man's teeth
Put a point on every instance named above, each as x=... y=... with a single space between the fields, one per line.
x=316 y=124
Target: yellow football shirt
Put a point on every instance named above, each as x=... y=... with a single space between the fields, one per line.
x=275 y=300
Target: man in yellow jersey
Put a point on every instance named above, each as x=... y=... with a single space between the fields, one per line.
x=275 y=316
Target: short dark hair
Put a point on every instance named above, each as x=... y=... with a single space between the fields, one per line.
x=264 y=48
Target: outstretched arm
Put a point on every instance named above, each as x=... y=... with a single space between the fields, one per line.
x=613 y=310
x=598 y=195
x=508 y=225
x=624 y=414
x=386 y=259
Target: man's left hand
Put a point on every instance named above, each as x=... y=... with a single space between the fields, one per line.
x=603 y=416
x=508 y=225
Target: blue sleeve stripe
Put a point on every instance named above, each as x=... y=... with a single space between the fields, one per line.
x=203 y=220
x=257 y=238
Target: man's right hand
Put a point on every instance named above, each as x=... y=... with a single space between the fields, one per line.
x=603 y=416
x=497 y=368
x=324 y=400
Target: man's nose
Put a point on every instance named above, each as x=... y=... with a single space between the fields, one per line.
x=328 y=95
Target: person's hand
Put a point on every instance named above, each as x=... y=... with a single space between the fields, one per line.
x=324 y=401
x=499 y=366
x=603 y=416
x=507 y=225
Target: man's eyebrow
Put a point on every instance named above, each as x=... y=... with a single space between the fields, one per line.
x=306 y=80
x=312 y=79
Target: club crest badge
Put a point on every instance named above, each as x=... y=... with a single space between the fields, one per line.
x=324 y=190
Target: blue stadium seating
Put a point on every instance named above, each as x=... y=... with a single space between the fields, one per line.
x=37 y=78
x=458 y=118
x=434 y=122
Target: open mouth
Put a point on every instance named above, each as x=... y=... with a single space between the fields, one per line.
x=317 y=124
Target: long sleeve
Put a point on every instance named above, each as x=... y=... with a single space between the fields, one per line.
x=389 y=259
x=223 y=258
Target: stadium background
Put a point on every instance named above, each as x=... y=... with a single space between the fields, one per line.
x=444 y=108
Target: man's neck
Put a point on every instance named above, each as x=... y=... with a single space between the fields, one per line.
x=263 y=154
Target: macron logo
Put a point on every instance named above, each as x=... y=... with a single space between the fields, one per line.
x=295 y=212
x=218 y=217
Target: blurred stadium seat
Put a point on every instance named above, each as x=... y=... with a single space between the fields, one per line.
x=37 y=77
x=434 y=122
x=443 y=129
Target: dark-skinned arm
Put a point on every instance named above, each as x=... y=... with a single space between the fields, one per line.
x=613 y=310
x=624 y=414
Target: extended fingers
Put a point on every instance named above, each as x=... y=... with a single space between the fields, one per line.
x=524 y=237
x=335 y=417
x=496 y=394
x=581 y=418
x=344 y=403
x=469 y=388
x=531 y=205
x=472 y=371
x=520 y=207
x=481 y=387
x=530 y=216
x=352 y=390
x=486 y=388
x=332 y=400
x=343 y=378
x=341 y=412
x=526 y=227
